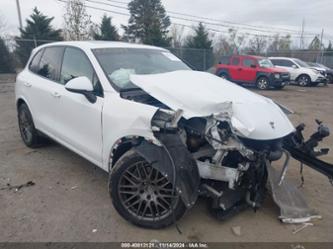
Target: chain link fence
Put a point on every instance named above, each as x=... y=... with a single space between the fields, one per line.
x=198 y=59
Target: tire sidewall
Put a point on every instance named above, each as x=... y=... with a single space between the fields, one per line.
x=224 y=76
x=120 y=167
x=33 y=142
x=308 y=82
x=267 y=85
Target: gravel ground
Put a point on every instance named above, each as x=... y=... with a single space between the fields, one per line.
x=70 y=200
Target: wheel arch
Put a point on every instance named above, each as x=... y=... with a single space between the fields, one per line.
x=221 y=71
x=21 y=100
x=303 y=74
x=124 y=144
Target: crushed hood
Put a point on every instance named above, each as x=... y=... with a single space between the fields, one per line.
x=201 y=94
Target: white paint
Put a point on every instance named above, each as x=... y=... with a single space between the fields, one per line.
x=201 y=94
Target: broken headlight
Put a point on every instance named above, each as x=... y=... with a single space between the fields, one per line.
x=167 y=120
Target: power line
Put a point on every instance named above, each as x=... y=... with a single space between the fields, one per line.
x=191 y=20
x=261 y=27
x=185 y=19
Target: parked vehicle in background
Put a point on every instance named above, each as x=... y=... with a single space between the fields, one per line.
x=299 y=71
x=323 y=69
x=252 y=70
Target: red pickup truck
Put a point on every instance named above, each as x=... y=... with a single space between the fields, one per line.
x=252 y=70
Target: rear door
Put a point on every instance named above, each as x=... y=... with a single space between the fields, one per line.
x=43 y=83
x=80 y=122
x=235 y=68
x=249 y=70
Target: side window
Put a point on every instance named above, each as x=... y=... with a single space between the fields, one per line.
x=249 y=62
x=275 y=62
x=34 y=64
x=50 y=62
x=278 y=62
x=76 y=64
x=225 y=60
x=287 y=63
x=235 y=61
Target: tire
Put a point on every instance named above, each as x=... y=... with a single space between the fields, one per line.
x=224 y=76
x=29 y=134
x=330 y=79
x=262 y=83
x=142 y=195
x=304 y=80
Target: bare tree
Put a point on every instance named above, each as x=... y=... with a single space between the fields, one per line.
x=3 y=25
x=78 y=23
x=222 y=47
x=177 y=34
x=236 y=40
x=280 y=43
x=257 y=45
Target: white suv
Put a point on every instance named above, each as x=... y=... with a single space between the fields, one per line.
x=164 y=133
x=299 y=71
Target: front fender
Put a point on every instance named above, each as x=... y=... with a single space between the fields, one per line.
x=176 y=163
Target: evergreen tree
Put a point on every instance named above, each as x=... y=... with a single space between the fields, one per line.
x=148 y=23
x=6 y=60
x=107 y=31
x=200 y=39
x=37 y=31
x=200 y=52
x=315 y=44
x=329 y=47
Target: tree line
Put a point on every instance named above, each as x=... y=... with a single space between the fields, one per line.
x=148 y=24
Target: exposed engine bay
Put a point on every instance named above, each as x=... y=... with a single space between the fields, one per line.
x=217 y=156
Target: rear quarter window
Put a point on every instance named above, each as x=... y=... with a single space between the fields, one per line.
x=225 y=60
x=34 y=64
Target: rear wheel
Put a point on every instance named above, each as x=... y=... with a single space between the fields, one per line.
x=224 y=76
x=142 y=195
x=304 y=80
x=29 y=134
x=263 y=83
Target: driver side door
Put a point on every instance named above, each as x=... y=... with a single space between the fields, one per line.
x=80 y=120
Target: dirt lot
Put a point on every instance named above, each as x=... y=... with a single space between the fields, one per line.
x=70 y=198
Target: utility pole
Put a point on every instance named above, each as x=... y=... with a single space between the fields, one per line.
x=301 y=42
x=19 y=13
x=321 y=46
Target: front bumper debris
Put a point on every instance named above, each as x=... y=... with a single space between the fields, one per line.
x=292 y=204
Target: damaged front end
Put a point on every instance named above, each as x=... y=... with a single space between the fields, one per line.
x=208 y=157
x=222 y=142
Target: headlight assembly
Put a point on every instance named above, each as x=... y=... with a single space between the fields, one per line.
x=277 y=76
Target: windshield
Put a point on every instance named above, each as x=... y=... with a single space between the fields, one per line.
x=119 y=63
x=323 y=66
x=301 y=63
x=265 y=63
x=312 y=64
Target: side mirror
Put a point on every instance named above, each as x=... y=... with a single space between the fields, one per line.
x=82 y=85
x=253 y=66
x=294 y=66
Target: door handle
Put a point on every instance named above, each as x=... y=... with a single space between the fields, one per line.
x=27 y=84
x=239 y=69
x=56 y=95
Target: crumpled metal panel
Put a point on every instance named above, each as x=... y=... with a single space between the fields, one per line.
x=292 y=204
